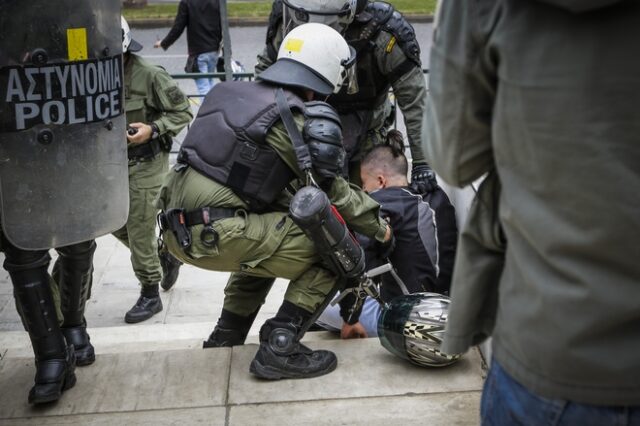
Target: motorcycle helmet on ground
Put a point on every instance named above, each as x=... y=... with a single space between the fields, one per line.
x=412 y=326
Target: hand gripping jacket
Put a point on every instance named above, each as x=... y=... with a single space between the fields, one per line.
x=237 y=155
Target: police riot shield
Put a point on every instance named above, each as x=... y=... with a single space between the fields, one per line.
x=63 y=157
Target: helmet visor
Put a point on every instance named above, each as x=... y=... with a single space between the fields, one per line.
x=349 y=77
x=338 y=19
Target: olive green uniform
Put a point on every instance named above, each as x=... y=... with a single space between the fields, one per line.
x=267 y=244
x=151 y=96
x=410 y=90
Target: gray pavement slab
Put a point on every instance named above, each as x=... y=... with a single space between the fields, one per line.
x=214 y=386
x=138 y=338
x=365 y=369
x=9 y=319
x=445 y=409
x=125 y=382
x=214 y=416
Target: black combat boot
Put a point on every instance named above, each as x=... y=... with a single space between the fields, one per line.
x=73 y=271
x=148 y=304
x=79 y=338
x=170 y=270
x=231 y=330
x=282 y=356
x=55 y=361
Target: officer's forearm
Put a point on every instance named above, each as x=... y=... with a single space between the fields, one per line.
x=411 y=93
x=359 y=210
x=173 y=122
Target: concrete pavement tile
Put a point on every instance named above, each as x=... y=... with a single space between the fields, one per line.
x=5 y=282
x=214 y=416
x=452 y=409
x=124 y=339
x=142 y=338
x=119 y=276
x=198 y=302
x=365 y=368
x=187 y=319
x=125 y=382
x=107 y=307
x=14 y=339
x=106 y=247
x=9 y=318
x=191 y=277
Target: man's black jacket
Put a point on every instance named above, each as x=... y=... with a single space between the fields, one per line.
x=202 y=19
x=426 y=236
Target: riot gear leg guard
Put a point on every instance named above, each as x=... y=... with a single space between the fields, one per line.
x=55 y=361
x=282 y=356
x=73 y=272
x=231 y=330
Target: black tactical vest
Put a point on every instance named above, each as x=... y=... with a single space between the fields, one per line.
x=226 y=141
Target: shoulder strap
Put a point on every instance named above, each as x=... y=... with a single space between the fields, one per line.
x=301 y=149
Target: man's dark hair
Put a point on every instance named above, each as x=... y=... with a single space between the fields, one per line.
x=387 y=158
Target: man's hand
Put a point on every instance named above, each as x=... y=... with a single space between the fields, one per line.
x=355 y=331
x=157 y=44
x=142 y=135
x=389 y=234
x=423 y=179
x=386 y=248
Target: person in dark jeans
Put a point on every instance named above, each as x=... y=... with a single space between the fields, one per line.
x=425 y=232
x=204 y=33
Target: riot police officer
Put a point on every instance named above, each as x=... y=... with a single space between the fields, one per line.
x=63 y=170
x=225 y=204
x=388 y=56
x=156 y=110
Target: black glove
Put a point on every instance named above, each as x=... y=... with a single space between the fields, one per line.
x=423 y=179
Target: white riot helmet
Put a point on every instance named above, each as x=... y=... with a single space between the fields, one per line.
x=128 y=43
x=315 y=57
x=412 y=327
x=337 y=14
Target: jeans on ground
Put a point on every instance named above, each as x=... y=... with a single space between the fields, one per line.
x=507 y=402
x=206 y=63
x=332 y=321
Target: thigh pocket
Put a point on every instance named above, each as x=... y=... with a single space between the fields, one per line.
x=265 y=233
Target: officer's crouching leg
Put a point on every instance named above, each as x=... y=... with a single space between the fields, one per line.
x=231 y=330
x=73 y=272
x=243 y=297
x=55 y=361
x=281 y=355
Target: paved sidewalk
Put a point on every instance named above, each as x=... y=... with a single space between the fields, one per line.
x=196 y=297
x=156 y=372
